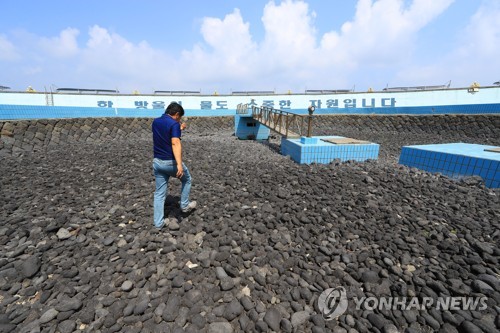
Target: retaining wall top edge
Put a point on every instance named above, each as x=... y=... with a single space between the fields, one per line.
x=38 y=119
x=316 y=115
x=406 y=115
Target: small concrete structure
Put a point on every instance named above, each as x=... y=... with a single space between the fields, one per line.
x=456 y=160
x=247 y=128
x=325 y=149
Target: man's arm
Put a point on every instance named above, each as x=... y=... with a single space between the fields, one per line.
x=177 y=150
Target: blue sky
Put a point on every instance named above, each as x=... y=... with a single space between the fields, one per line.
x=239 y=45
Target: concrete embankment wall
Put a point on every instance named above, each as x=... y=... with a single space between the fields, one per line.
x=466 y=125
x=21 y=136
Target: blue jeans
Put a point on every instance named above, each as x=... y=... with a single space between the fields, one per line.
x=163 y=170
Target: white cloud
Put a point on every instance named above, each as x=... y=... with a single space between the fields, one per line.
x=381 y=32
x=473 y=58
x=378 y=39
x=482 y=35
x=63 y=46
x=380 y=35
x=230 y=50
x=111 y=60
x=286 y=52
x=477 y=57
x=230 y=35
x=290 y=34
x=8 y=51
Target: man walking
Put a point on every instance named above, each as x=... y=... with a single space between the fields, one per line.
x=167 y=161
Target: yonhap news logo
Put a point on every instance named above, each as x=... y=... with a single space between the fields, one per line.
x=333 y=302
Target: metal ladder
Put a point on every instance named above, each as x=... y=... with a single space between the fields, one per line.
x=49 y=98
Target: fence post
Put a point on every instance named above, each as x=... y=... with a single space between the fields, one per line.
x=309 y=120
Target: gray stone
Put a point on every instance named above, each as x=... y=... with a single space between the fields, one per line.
x=226 y=284
x=108 y=241
x=221 y=273
x=468 y=327
x=173 y=225
x=30 y=266
x=48 y=315
x=247 y=303
x=172 y=309
x=199 y=321
x=388 y=262
x=141 y=306
x=447 y=328
x=63 y=234
x=336 y=329
x=299 y=318
x=178 y=281
x=482 y=287
x=192 y=297
x=66 y=326
x=286 y=325
x=72 y=304
x=376 y=320
x=127 y=285
x=232 y=310
x=273 y=318
x=390 y=328
x=370 y=277
x=261 y=326
x=220 y=327
x=349 y=320
x=493 y=281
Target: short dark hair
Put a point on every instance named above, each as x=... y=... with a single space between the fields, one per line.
x=174 y=108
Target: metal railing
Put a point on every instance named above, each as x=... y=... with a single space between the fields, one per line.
x=283 y=122
x=242 y=108
x=416 y=88
x=87 y=91
x=176 y=92
x=253 y=92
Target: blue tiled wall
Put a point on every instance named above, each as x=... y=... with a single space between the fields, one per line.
x=244 y=129
x=325 y=152
x=11 y=112
x=410 y=110
x=456 y=160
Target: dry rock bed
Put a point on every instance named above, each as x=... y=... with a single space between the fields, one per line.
x=79 y=252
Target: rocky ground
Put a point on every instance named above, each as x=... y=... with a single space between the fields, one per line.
x=79 y=254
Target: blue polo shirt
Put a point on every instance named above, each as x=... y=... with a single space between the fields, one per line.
x=164 y=129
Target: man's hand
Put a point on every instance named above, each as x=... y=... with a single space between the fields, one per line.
x=180 y=171
x=183 y=126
